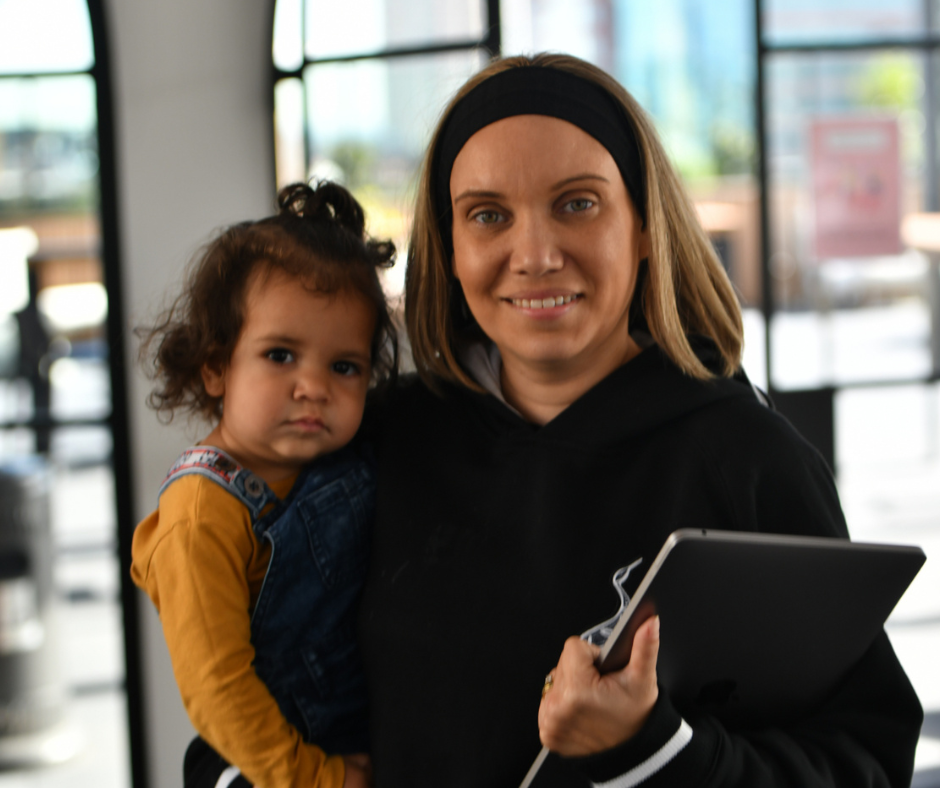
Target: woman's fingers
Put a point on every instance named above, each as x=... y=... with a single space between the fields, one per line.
x=573 y=680
x=579 y=656
x=641 y=670
x=585 y=713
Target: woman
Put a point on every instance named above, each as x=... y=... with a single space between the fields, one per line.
x=580 y=397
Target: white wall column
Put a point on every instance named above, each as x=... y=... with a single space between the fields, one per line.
x=193 y=132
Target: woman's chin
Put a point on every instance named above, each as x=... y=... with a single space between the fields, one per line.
x=566 y=356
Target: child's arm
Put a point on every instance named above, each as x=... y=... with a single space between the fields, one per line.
x=194 y=565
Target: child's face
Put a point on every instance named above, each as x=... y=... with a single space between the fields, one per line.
x=296 y=384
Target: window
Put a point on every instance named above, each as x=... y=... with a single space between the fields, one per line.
x=63 y=437
x=358 y=89
x=851 y=158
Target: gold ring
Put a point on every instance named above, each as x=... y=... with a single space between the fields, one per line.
x=549 y=683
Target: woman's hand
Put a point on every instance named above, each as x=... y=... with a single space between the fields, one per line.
x=358 y=771
x=584 y=712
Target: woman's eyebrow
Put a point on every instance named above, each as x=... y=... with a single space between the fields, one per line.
x=477 y=193
x=584 y=176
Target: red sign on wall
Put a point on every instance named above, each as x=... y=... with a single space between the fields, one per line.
x=856 y=186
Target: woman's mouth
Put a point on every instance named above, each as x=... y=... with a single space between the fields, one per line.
x=544 y=303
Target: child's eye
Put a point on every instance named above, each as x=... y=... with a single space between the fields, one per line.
x=578 y=205
x=280 y=355
x=348 y=368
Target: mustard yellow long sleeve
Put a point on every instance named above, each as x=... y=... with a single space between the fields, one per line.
x=199 y=561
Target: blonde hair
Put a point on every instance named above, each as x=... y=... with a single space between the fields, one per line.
x=685 y=291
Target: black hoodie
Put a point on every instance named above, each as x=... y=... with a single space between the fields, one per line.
x=496 y=539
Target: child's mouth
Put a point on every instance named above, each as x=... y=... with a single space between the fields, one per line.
x=308 y=424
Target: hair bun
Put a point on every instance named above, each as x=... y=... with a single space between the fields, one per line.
x=329 y=205
x=324 y=202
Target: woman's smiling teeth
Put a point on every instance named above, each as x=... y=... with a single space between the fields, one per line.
x=542 y=303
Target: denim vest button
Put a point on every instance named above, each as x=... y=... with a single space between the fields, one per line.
x=254 y=486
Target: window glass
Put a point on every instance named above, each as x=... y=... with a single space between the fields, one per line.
x=584 y=30
x=289 y=147
x=846 y=162
x=48 y=143
x=369 y=123
x=288 y=46
x=365 y=26
x=690 y=64
x=39 y=37
x=811 y=21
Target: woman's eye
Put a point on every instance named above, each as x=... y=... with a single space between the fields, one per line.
x=578 y=205
x=346 y=368
x=280 y=355
x=487 y=217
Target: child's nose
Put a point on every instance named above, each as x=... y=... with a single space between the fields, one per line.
x=312 y=384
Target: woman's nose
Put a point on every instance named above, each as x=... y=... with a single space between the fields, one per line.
x=535 y=250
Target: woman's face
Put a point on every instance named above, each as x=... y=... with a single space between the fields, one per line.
x=546 y=244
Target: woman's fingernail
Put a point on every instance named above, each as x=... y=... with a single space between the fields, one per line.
x=654 y=627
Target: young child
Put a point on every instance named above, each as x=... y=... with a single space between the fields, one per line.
x=256 y=554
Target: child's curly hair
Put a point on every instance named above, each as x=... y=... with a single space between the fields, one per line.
x=318 y=236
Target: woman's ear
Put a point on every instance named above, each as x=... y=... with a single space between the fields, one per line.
x=213 y=380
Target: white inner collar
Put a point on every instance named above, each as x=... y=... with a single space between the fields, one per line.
x=484 y=363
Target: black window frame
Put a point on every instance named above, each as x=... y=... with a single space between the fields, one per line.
x=117 y=420
x=491 y=43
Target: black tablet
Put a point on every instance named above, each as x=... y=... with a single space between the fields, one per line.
x=758 y=628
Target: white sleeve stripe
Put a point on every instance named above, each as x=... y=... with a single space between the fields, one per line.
x=228 y=777
x=654 y=763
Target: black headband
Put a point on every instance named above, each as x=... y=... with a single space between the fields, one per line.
x=537 y=90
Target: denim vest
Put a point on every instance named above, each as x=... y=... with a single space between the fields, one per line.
x=303 y=628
